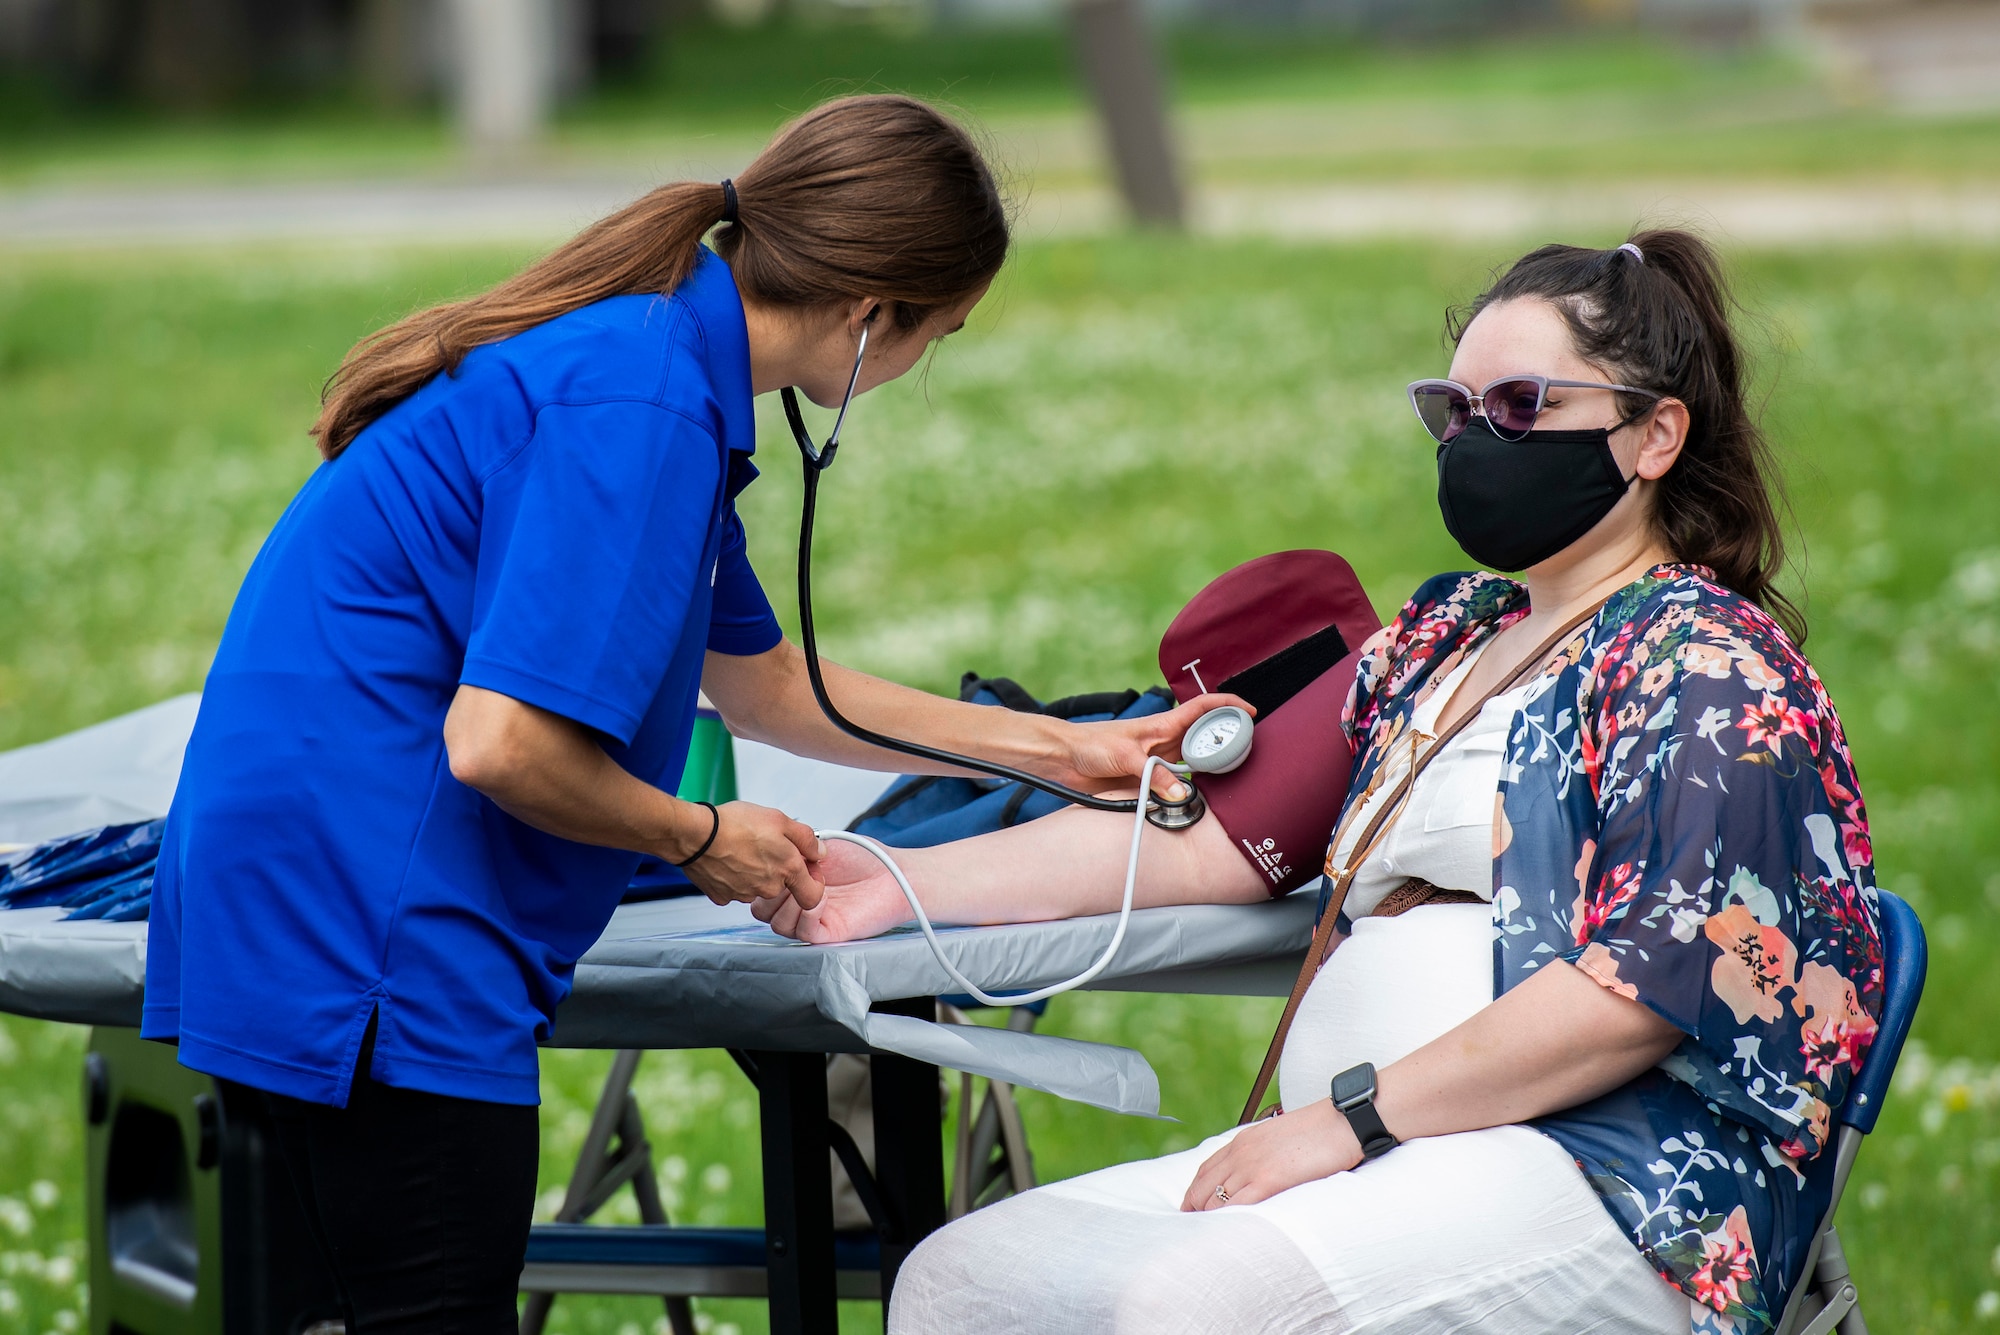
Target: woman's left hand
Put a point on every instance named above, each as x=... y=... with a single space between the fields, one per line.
x=1276 y=1155
x=1108 y=756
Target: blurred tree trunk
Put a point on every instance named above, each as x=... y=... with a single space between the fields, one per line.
x=393 y=45
x=192 y=54
x=1122 y=70
x=511 y=59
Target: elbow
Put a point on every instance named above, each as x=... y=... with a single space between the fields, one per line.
x=476 y=763
x=483 y=754
x=469 y=767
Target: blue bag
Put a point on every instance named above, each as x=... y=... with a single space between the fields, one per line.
x=917 y=811
x=102 y=873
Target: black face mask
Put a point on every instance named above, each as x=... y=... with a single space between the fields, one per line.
x=1512 y=504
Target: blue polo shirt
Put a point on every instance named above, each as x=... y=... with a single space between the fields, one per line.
x=555 y=522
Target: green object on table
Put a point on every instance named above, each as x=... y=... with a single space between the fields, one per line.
x=710 y=773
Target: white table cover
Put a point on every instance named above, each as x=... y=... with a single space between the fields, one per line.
x=683 y=973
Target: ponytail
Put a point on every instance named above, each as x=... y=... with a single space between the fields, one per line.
x=1655 y=313
x=865 y=196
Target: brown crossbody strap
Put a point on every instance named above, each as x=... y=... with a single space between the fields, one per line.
x=1365 y=846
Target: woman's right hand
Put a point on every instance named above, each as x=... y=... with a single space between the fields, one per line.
x=861 y=899
x=759 y=855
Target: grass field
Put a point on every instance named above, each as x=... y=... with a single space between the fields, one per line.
x=1278 y=106
x=1124 y=419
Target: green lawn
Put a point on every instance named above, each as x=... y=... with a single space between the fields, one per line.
x=1251 y=106
x=1124 y=419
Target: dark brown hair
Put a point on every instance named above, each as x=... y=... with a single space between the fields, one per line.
x=1662 y=322
x=865 y=196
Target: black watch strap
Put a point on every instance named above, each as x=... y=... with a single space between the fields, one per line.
x=1354 y=1096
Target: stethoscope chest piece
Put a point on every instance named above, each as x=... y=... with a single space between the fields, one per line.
x=1218 y=742
x=1166 y=815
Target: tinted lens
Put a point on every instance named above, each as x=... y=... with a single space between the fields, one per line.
x=1444 y=409
x=1511 y=407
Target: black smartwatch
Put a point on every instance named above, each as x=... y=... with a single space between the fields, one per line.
x=1354 y=1095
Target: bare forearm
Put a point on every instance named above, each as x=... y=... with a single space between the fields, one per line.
x=1071 y=864
x=1555 y=1041
x=551 y=774
x=769 y=698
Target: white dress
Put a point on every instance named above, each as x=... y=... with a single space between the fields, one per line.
x=1489 y=1231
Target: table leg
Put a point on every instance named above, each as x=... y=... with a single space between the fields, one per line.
x=798 y=1192
x=909 y=1147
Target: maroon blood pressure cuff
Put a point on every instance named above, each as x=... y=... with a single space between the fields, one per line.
x=1284 y=632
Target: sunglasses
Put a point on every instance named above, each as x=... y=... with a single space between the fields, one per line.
x=1510 y=404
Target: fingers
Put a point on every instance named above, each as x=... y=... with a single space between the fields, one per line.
x=1166 y=785
x=758 y=854
x=787 y=919
x=1212 y=1174
x=802 y=886
x=1201 y=704
x=805 y=882
x=805 y=840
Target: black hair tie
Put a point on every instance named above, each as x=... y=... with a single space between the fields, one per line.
x=714 y=828
x=729 y=202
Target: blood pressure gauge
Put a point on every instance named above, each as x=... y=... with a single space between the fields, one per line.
x=1218 y=742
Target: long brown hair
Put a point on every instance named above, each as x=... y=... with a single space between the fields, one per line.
x=1661 y=322
x=877 y=195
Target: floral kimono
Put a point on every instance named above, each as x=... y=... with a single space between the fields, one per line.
x=1678 y=818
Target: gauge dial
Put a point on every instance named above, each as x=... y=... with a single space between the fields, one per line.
x=1218 y=742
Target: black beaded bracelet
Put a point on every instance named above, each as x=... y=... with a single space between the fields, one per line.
x=714 y=828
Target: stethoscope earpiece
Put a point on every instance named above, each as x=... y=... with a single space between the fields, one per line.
x=819 y=460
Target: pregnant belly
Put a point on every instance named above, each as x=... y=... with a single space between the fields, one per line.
x=1392 y=987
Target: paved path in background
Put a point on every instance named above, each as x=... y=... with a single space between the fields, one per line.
x=526 y=210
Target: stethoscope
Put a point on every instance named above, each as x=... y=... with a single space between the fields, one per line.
x=1218 y=742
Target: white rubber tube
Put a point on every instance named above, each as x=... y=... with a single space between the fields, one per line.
x=937 y=947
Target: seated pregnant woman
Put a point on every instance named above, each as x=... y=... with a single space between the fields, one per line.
x=1647 y=961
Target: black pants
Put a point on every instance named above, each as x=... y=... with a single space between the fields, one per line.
x=420 y=1202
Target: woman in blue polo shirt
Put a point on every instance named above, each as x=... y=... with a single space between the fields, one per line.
x=460 y=679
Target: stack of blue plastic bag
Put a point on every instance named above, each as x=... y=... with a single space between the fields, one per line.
x=103 y=873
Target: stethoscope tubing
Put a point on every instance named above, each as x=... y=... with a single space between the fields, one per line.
x=973 y=989
x=816 y=462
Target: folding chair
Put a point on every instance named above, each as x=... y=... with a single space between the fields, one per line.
x=990 y=1158
x=657 y=1257
x=1825 y=1299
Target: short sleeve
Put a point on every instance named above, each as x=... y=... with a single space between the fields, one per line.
x=742 y=622
x=1729 y=888
x=591 y=561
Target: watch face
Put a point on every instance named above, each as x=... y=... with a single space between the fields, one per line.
x=1217 y=731
x=1218 y=742
x=1350 y=1085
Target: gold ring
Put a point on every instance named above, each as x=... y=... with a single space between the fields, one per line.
x=1222 y=1194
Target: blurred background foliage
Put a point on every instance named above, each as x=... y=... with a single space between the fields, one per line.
x=1128 y=414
